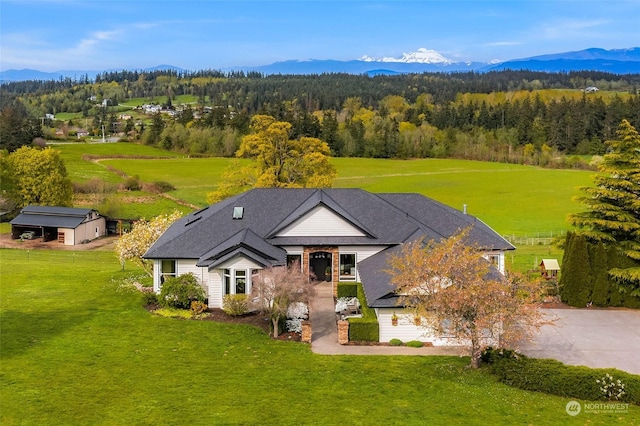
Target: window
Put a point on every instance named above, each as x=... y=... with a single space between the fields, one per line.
x=226 y=273
x=235 y=281
x=167 y=269
x=347 y=266
x=241 y=282
x=293 y=258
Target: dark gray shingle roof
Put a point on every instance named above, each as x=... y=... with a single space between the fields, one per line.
x=211 y=235
x=54 y=217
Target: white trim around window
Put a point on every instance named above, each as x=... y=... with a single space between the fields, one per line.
x=236 y=281
x=348 y=261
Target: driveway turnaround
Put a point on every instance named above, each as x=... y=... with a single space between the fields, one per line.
x=596 y=338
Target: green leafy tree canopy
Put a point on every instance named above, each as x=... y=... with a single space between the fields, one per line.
x=279 y=161
x=39 y=177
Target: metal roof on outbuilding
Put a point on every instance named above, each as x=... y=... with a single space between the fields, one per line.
x=54 y=217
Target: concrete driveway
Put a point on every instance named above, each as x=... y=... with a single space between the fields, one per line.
x=597 y=338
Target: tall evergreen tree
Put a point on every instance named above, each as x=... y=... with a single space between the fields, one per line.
x=613 y=205
x=575 y=281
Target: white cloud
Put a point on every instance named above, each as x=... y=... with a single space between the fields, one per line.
x=570 y=27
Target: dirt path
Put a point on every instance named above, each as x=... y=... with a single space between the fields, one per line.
x=102 y=244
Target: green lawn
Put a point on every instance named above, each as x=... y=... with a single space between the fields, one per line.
x=74 y=350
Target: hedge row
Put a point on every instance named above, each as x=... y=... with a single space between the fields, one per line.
x=365 y=328
x=553 y=377
x=585 y=279
x=348 y=289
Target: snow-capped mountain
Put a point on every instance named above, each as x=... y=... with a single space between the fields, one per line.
x=617 y=61
x=420 y=56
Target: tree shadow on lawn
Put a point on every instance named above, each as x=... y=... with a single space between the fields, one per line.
x=22 y=331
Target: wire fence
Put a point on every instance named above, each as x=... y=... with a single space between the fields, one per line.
x=534 y=239
x=45 y=256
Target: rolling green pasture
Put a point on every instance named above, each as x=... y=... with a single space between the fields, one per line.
x=75 y=350
x=193 y=178
x=81 y=170
x=513 y=199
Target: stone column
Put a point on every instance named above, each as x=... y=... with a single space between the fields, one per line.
x=343 y=332
x=306 y=332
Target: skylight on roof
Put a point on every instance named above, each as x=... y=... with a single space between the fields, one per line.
x=238 y=212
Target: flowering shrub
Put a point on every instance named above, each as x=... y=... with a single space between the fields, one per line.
x=611 y=389
x=133 y=245
x=342 y=302
x=296 y=313
x=294 y=325
x=298 y=310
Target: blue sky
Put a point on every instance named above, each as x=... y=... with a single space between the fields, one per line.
x=133 y=34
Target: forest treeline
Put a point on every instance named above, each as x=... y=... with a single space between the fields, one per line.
x=513 y=116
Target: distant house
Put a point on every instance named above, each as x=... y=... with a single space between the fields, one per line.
x=69 y=226
x=591 y=89
x=50 y=116
x=334 y=234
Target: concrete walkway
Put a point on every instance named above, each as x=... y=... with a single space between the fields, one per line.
x=324 y=339
x=596 y=338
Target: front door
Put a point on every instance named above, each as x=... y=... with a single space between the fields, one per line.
x=320 y=265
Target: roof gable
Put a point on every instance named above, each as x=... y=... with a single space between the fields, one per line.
x=245 y=242
x=314 y=214
x=320 y=221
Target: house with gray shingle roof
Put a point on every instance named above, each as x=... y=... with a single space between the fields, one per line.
x=334 y=234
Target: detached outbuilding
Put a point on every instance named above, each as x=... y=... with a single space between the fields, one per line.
x=69 y=226
x=549 y=269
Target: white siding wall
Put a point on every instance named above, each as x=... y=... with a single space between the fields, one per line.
x=69 y=236
x=406 y=330
x=215 y=288
x=320 y=221
x=87 y=230
x=183 y=266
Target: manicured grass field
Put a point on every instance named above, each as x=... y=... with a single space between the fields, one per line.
x=75 y=350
